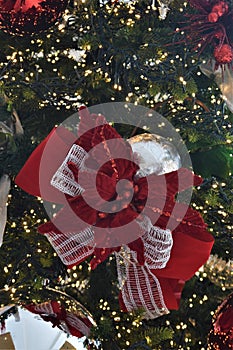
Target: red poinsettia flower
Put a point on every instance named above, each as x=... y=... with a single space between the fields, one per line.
x=116 y=198
x=112 y=208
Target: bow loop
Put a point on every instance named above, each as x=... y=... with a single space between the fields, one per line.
x=157 y=244
x=64 y=179
x=114 y=210
x=140 y=289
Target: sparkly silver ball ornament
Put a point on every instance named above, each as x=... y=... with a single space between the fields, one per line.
x=154 y=154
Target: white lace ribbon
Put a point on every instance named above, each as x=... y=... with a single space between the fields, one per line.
x=157 y=243
x=64 y=179
x=157 y=247
x=140 y=288
x=74 y=247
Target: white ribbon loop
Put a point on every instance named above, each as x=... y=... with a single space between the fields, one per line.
x=157 y=244
x=63 y=179
x=72 y=248
x=140 y=289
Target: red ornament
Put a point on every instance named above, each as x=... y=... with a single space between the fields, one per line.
x=218 y=10
x=221 y=8
x=211 y=25
x=29 y=16
x=213 y=17
x=223 y=54
x=221 y=334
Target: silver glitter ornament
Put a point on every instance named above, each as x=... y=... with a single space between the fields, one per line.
x=154 y=154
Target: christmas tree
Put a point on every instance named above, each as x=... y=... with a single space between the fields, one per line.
x=134 y=52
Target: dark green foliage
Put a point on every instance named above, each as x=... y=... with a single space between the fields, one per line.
x=217 y=161
x=130 y=56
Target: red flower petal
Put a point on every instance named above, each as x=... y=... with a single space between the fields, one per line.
x=93 y=129
x=124 y=217
x=65 y=222
x=180 y=217
x=110 y=148
x=103 y=133
x=168 y=185
x=106 y=185
x=141 y=185
x=117 y=229
x=120 y=168
x=86 y=128
x=126 y=168
x=73 y=218
x=98 y=188
x=84 y=212
x=180 y=180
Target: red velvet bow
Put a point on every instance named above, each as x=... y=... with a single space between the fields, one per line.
x=156 y=260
